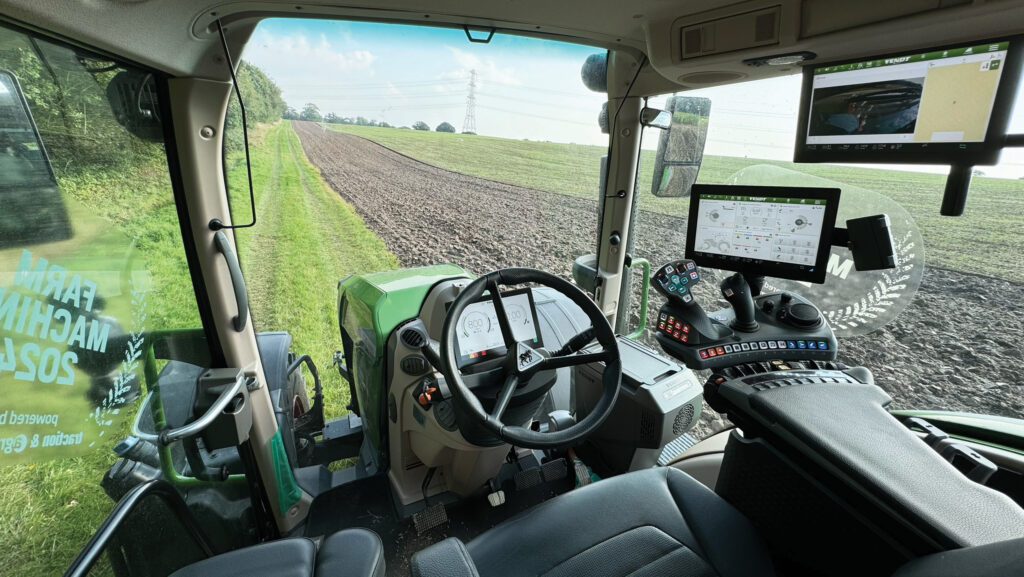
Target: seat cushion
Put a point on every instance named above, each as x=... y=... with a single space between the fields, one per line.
x=654 y=522
x=284 y=558
x=351 y=553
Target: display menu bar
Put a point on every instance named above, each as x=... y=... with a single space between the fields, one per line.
x=910 y=58
x=769 y=199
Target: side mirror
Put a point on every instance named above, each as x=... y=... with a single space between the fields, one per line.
x=681 y=146
x=133 y=100
x=33 y=210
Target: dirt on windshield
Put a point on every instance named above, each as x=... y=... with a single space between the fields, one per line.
x=950 y=349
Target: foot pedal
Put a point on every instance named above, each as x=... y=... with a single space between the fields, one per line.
x=554 y=470
x=496 y=499
x=675 y=448
x=430 y=518
x=582 y=473
x=548 y=472
x=528 y=479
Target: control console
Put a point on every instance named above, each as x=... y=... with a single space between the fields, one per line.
x=781 y=326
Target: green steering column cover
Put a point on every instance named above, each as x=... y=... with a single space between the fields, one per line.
x=370 y=306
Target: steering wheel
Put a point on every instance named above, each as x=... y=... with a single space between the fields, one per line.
x=522 y=361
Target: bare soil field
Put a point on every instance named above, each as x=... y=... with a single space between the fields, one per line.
x=948 y=350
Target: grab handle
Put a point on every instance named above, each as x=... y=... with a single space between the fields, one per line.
x=220 y=240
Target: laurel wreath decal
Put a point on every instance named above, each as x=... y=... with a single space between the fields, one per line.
x=887 y=291
x=127 y=374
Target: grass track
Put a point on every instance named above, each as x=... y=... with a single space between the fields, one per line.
x=305 y=240
x=986 y=240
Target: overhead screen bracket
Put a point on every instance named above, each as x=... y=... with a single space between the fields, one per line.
x=959 y=181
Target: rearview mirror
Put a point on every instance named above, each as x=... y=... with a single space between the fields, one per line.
x=681 y=146
x=133 y=99
x=656 y=118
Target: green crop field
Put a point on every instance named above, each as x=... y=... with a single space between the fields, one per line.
x=985 y=240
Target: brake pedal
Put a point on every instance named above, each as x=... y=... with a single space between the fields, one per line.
x=430 y=518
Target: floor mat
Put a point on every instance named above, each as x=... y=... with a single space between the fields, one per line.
x=367 y=503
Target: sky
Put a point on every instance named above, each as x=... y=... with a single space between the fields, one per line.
x=526 y=88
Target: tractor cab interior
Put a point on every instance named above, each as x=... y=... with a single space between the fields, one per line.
x=240 y=338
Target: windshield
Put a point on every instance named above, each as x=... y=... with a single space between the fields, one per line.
x=405 y=146
x=942 y=331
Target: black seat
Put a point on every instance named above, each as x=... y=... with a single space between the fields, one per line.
x=351 y=552
x=655 y=522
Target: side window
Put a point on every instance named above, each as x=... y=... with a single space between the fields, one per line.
x=93 y=285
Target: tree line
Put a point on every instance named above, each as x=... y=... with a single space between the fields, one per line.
x=311 y=112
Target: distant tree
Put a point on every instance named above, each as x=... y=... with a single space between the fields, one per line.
x=385 y=125
x=290 y=114
x=468 y=132
x=311 y=112
x=403 y=128
x=444 y=127
x=977 y=172
x=420 y=125
x=332 y=118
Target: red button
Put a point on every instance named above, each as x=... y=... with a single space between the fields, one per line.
x=711 y=352
x=684 y=338
x=676 y=334
x=679 y=325
x=661 y=326
x=704 y=354
x=720 y=350
x=686 y=328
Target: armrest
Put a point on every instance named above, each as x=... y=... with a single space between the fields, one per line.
x=449 y=558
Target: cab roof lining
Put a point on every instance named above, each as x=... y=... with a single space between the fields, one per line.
x=177 y=37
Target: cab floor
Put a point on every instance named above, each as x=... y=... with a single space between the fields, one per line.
x=367 y=503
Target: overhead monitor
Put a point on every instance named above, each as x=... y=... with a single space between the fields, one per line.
x=946 y=105
x=479 y=335
x=777 y=231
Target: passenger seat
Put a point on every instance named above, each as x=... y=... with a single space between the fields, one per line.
x=350 y=552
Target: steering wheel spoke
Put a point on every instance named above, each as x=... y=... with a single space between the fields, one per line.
x=501 y=402
x=499 y=308
x=551 y=363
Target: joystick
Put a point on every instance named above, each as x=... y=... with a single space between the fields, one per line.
x=675 y=280
x=736 y=290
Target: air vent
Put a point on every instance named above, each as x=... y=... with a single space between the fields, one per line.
x=648 y=429
x=683 y=420
x=413 y=338
x=691 y=42
x=736 y=32
x=414 y=365
x=766 y=27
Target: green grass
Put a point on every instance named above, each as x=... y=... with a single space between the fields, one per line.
x=305 y=240
x=986 y=240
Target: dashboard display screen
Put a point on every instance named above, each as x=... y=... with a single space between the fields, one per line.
x=478 y=332
x=773 y=231
x=890 y=109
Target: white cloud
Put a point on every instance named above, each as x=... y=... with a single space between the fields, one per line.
x=297 y=53
x=486 y=70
